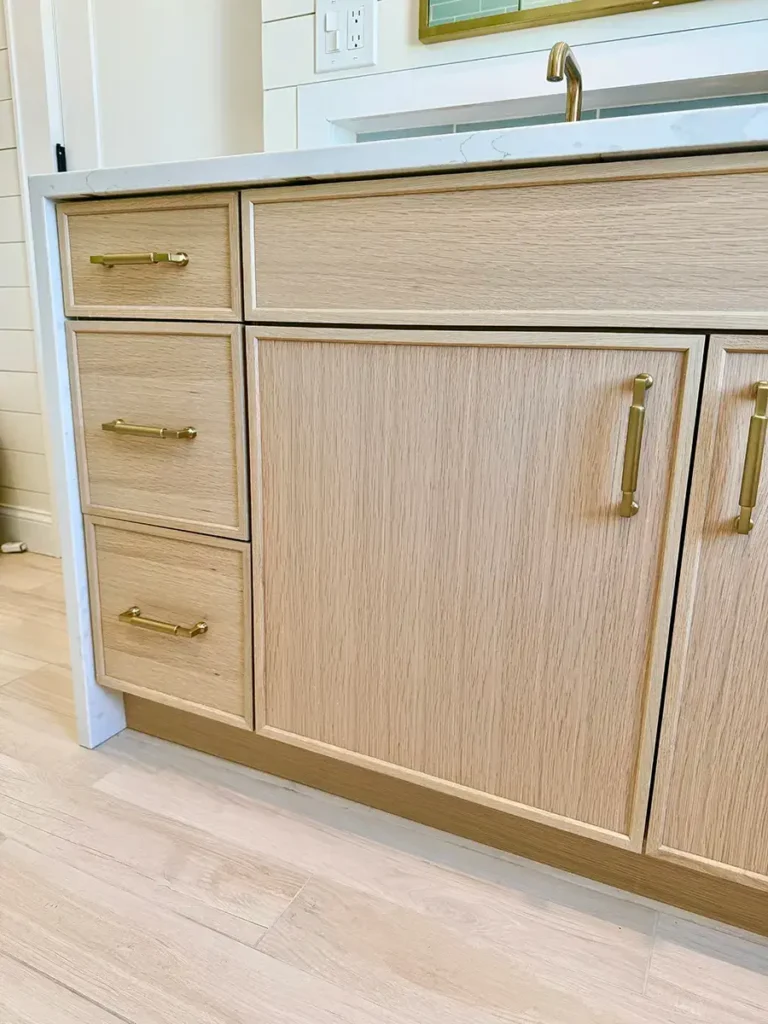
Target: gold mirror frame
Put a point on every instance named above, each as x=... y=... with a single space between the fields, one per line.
x=555 y=15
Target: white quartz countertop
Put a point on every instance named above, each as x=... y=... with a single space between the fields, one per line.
x=676 y=133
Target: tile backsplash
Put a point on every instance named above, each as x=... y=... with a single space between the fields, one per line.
x=588 y=115
x=443 y=12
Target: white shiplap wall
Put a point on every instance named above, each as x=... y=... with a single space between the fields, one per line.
x=294 y=94
x=25 y=504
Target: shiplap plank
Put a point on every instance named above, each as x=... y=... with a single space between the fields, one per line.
x=13 y=265
x=15 y=308
x=19 y=392
x=9 y=172
x=17 y=351
x=12 y=497
x=7 y=125
x=11 y=219
x=22 y=432
x=5 y=75
x=273 y=10
x=25 y=471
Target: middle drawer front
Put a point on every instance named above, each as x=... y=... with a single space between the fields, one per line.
x=136 y=388
x=172 y=618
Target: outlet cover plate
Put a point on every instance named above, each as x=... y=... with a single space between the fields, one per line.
x=351 y=19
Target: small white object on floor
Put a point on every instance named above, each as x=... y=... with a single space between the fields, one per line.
x=17 y=548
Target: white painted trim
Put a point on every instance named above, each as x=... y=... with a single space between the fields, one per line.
x=34 y=83
x=100 y=713
x=74 y=22
x=33 y=527
x=700 y=62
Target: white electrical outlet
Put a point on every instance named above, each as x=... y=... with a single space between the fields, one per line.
x=355 y=27
x=345 y=34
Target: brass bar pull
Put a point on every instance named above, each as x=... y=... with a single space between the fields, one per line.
x=629 y=506
x=134 y=618
x=124 y=259
x=137 y=430
x=753 y=459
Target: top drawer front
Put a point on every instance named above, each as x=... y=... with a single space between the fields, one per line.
x=204 y=227
x=678 y=242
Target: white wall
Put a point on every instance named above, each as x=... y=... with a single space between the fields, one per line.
x=296 y=98
x=25 y=502
x=149 y=81
x=118 y=82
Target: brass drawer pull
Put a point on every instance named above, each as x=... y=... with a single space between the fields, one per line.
x=134 y=618
x=753 y=459
x=137 y=430
x=629 y=506
x=124 y=259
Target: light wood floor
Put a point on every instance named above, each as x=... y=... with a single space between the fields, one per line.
x=148 y=884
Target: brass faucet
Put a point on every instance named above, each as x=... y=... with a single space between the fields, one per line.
x=563 y=63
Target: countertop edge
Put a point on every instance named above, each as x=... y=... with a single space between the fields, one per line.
x=676 y=133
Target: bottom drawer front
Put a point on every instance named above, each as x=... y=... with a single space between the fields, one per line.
x=172 y=618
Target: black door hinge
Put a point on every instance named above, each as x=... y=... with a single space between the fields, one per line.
x=61 y=157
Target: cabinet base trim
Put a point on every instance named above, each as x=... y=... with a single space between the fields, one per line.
x=712 y=867
x=674 y=884
x=421 y=779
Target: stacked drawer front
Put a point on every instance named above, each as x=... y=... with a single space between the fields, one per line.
x=160 y=430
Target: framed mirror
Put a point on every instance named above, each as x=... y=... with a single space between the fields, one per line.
x=454 y=19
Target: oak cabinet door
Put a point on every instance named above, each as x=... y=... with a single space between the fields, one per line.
x=710 y=805
x=452 y=595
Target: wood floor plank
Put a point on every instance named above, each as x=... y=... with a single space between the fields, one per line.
x=48 y=687
x=147 y=965
x=565 y=928
x=34 y=627
x=12 y=666
x=411 y=962
x=182 y=869
x=37 y=728
x=713 y=976
x=28 y=572
x=28 y=997
x=140 y=877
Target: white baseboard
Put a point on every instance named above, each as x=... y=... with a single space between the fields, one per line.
x=31 y=526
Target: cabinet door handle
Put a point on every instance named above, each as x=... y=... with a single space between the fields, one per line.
x=629 y=506
x=133 y=617
x=137 y=430
x=753 y=459
x=124 y=259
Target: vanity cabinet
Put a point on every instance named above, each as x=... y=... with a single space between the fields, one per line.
x=452 y=594
x=451 y=481
x=160 y=423
x=710 y=806
x=171 y=618
x=161 y=257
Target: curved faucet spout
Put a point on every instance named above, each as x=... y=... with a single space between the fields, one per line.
x=562 y=63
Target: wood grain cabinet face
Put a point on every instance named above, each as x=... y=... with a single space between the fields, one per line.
x=165 y=375
x=451 y=595
x=176 y=578
x=664 y=243
x=205 y=227
x=710 y=804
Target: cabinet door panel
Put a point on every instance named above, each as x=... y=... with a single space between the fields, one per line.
x=710 y=804
x=451 y=594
